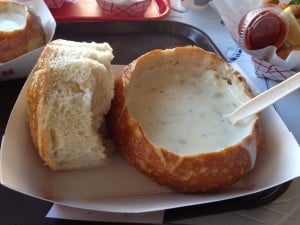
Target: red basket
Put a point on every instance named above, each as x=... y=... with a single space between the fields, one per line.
x=127 y=8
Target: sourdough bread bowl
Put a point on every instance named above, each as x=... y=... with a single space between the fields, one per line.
x=20 y=30
x=166 y=118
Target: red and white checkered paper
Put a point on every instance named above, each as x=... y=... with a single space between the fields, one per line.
x=270 y=71
x=130 y=9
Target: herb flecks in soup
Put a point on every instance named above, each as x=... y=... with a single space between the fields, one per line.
x=182 y=111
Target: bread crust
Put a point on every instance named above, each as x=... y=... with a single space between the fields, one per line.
x=36 y=96
x=203 y=172
x=20 y=41
x=45 y=83
x=285 y=52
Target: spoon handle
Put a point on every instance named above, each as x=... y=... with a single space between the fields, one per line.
x=265 y=99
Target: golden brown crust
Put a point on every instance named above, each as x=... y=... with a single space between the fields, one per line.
x=275 y=3
x=197 y=173
x=285 y=52
x=269 y=2
x=296 y=10
x=36 y=97
x=18 y=42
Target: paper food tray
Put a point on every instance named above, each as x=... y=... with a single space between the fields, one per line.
x=121 y=188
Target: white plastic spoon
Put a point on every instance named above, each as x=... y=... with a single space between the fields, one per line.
x=265 y=99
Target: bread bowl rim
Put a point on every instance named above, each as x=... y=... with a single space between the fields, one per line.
x=20 y=7
x=129 y=145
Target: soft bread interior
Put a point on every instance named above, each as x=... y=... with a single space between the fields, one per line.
x=70 y=94
x=181 y=108
x=12 y=17
x=74 y=113
x=100 y=52
x=60 y=50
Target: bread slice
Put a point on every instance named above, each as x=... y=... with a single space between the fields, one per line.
x=166 y=118
x=61 y=51
x=70 y=94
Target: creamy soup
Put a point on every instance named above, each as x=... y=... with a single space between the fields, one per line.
x=182 y=111
x=11 y=21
